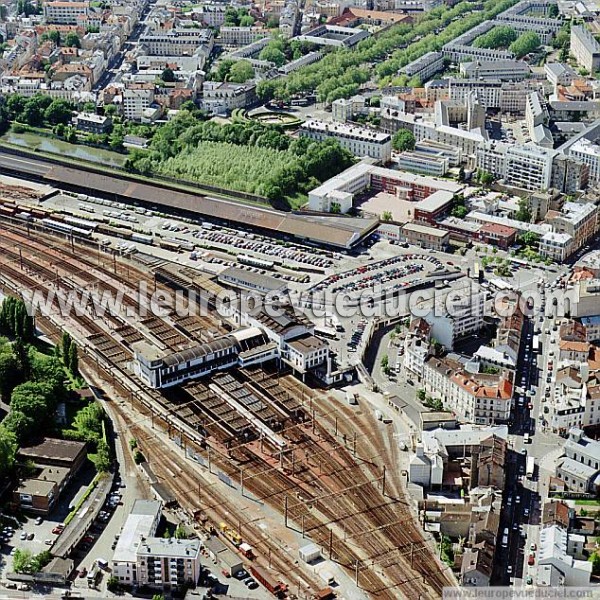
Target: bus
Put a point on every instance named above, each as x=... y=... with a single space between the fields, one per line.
x=530 y=466
x=324 y=332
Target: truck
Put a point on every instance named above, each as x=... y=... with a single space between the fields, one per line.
x=233 y=536
x=535 y=344
x=530 y=469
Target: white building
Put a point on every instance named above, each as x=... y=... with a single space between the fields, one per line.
x=555 y=565
x=241 y=36
x=529 y=167
x=65 y=12
x=137 y=98
x=425 y=66
x=140 y=558
x=177 y=42
x=556 y=246
x=221 y=97
x=588 y=153
x=496 y=70
x=585 y=48
x=358 y=140
x=473 y=397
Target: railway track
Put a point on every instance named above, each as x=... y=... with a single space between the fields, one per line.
x=329 y=483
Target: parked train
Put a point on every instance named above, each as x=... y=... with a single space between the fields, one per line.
x=66 y=228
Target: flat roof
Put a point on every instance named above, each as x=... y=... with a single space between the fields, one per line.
x=440 y=233
x=138 y=524
x=53 y=449
x=435 y=201
x=170 y=547
x=331 y=231
x=233 y=275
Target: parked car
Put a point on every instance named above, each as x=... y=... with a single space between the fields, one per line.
x=30 y=536
x=531 y=560
x=39 y=521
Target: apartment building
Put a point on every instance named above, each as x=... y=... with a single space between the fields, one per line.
x=343 y=109
x=556 y=246
x=580 y=466
x=66 y=13
x=473 y=397
x=358 y=140
x=529 y=167
x=241 y=36
x=137 y=97
x=559 y=73
x=497 y=70
x=588 y=153
x=140 y=558
x=177 y=42
x=218 y=97
x=580 y=221
x=456 y=314
x=570 y=174
x=585 y=48
x=212 y=15
x=168 y=563
x=425 y=67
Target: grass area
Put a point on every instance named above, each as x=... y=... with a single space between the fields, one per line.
x=196 y=189
x=587 y=503
x=43 y=143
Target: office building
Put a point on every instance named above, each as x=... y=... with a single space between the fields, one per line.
x=66 y=13
x=425 y=67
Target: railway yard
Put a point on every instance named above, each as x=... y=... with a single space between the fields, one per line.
x=269 y=435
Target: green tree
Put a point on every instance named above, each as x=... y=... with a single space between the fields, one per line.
x=72 y=40
x=73 y=360
x=403 y=140
x=524 y=213
x=241 y=72
x=386 y=216
x=180 y=532
x=246 y=21
x=595 y=560
x=60 y=111
x=500 y=36
x=22 y=561
x=273 y=53
x=113 y=584
x=168 y=75
x=525 y=44
x=87 y=424
x=485 y=179
x=101 y=458
x=10 y=375
x=529 y=238
x=8 y=450
x=421 y=395
x=110 y=110
x=66 y=346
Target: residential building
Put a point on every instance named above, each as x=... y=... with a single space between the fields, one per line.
x=556 y=567
x=529 y=167
x=467 y=141
x=344 y=109
x=496 y=70
x=579 y=220
x=358 y=140
x=556 y=246
x=416 y=348
x=559 y=73
x=580 y=466
x=221 y=97
x=474 y=397
x=585 y=48
x=425 y=67
x=495 y=234
x=241 y=36
x=137 y=97
x=65 y=12
x=93 y=123
x=455 y=314
x=331 y=35
x=588 y=153
x=141 y=558
x=570 y=174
